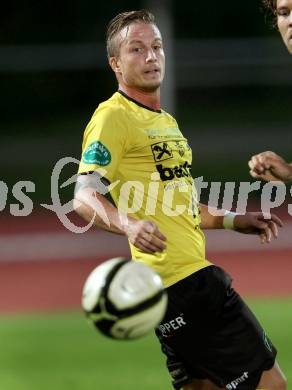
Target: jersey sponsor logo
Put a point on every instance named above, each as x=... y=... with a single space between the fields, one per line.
x=167 y=328
x=161 y=151
x=97 y=153
x=233 y=384
x=180 y=147
x=178 y=171
x=163 y=133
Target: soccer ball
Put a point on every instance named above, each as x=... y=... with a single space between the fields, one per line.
x=124 y=299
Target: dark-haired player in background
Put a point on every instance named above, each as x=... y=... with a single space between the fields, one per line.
x=282 y=11
x=210 y=337
x=269 y=165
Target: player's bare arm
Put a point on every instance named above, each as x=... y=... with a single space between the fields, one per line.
x=248 y=223
x=92 y=205
x=270 y=166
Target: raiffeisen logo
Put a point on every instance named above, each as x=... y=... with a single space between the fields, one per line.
x=178 y=171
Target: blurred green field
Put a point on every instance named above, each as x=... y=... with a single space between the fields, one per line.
x=61 y=351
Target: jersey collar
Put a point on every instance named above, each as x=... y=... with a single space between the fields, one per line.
x=138 y=103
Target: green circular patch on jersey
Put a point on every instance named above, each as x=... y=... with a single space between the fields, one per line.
x=97 y=153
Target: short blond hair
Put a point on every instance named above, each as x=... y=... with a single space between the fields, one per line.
x=121 y=21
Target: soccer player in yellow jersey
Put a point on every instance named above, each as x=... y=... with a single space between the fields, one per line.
x=268 y=165
x=137 y=152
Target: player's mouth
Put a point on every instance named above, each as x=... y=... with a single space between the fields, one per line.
x=152 y=71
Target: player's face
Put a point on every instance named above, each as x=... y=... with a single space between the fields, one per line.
x=284 y=18
x=141 y=58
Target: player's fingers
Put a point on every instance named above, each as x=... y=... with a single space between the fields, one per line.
x=274 y=229
x=158 y=234
x=156 y=242
x=269 y=154
x=269 y=234
x=277 y=220
x=144 y=246
x=264 y=162
x=259 y=221
x=151 y=228
x=258 y=168
x=251 y=164
x=266 y=234
x=262 y=238
x=256 y=162
x=266 y=154
x=254 y=174
x=138 y=243
x=150 y=246
x=273 y=223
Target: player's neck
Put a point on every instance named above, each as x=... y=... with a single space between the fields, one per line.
x=148 y=99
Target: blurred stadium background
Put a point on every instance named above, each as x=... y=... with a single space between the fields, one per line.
x=229 y=85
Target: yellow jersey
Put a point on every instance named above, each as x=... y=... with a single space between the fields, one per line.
x=147 y=160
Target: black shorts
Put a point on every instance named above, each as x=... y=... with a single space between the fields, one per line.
x=209 y=332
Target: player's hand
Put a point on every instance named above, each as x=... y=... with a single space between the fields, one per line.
x=256 y=223
x=270 y=167
x=145 y=236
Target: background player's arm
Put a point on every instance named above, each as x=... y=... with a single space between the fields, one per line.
x=92 y=205
x=270 y=167
x=248 y=223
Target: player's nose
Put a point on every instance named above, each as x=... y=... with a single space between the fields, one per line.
x=290 y=18
x=151 y=55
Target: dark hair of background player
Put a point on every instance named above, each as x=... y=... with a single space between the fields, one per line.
x=271 y=7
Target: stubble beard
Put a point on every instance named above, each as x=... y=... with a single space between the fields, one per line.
x=151 y=88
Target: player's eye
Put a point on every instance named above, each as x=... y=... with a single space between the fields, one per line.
x=283 y=12
x=157 y=46
x=136 y=49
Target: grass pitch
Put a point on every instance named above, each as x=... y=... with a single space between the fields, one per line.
x=63 y=352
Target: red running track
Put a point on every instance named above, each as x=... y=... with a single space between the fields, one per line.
x=57 y=285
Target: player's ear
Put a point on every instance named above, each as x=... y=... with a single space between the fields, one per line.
x=115 y=64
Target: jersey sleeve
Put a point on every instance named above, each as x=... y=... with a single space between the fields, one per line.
x=104 y=143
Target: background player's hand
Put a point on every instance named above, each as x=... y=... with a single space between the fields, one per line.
x=255 y=223
x=270 y=167
x=145 y=236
